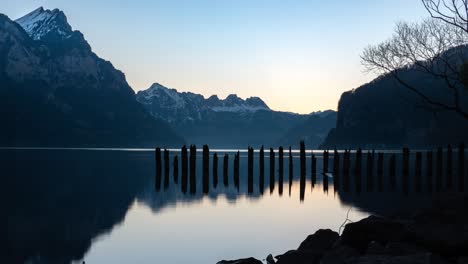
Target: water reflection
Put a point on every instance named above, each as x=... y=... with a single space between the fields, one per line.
x=58 y=201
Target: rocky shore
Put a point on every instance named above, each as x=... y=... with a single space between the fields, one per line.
x=435 y=235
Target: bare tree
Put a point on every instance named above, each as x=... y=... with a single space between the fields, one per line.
x=432 y=47
x=453 y=12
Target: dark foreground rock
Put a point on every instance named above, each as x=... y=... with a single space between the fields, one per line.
x=241 y=261
x=436 y=235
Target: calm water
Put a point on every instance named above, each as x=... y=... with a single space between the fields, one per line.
x=101 y=206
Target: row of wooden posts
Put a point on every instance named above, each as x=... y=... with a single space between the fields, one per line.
x=188 y=157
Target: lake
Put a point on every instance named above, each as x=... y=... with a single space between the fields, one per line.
x=102 y=205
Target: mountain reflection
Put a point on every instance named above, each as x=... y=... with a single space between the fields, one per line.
x=58 y=201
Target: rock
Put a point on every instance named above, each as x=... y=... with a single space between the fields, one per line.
x=270 y=259
x=299 y=257
x=402 y=249
x=375 y=248
x=241 y=261
x=339 y=254
x=358 y=235
x=409 y=259
x=321 y=241
x=462 y=260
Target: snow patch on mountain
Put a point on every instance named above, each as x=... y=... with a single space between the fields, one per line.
x=39 y=23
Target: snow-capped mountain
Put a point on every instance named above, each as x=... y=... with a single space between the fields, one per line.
x=41 y=23
x=55 y=91
x=232 y=122
x=174 y=106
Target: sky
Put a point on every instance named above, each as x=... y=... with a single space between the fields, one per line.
x=297 y=55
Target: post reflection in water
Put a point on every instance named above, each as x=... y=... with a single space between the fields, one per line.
x=60 y=202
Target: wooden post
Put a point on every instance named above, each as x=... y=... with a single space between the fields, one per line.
x=290 y=170
x=206 y=169
x=184 y=169
x=380 y=178
x=392 y=165
x=261 y=185
x=215 y=170
x=449 y=167
x=272 y=170
x=250 y=161
x=225 y=170
x=302 y=157
x=405 y=169
x=261 y=177
x=461 y=167
x=314 y=169
x=429 y=170
x=175 y=169
x=439 y=169
x=236 y=171
x=193 y=162
x=346 y=170
x=336 y=170
x=325 y=161
x=418 y=173
x=358 y=170
x=166 y=169
x=157 y=157
x=280 y=171
x=370 y=171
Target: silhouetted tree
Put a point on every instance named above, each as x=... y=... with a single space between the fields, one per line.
x=432 y=47
x=453 y=12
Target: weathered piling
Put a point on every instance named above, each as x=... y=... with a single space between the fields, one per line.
x=290 y=170
x=358 y=170
x=261 y=177
x=392 y=173
x=439 y=158
x=461 y=167
x=166 y=168
x=250 y=165
x=418 y=172
x=302 y=157
x=225 y=170
x=280 y=170
x=336 y=162
x=346 y=170
x=175 y=169
x=272 y=170
x=184 y=169
x=325 y=161
x=157 y=157
x=449 y=167
x=193 y=162
x=380 y=178
x=429 y=170
x=314 y=168
x=206 y=169
x=336 y=170
x=370 y=171
x=325 y=183
x=215 y=170
x=405 y=170
x=236 y=170
x=184 y=166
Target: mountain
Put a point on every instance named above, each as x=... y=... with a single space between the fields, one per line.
x=384 y=114
x=229 y=122
x=55 y=91
x=313 y=130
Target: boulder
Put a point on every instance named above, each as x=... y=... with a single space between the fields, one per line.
x=320 y=241
x=299 y=257
x=241 y=261
x=270 y=259
x=339 y=254
x=358 y=235
x=409 y=259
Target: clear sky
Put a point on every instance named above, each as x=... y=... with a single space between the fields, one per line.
x=297 y=55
